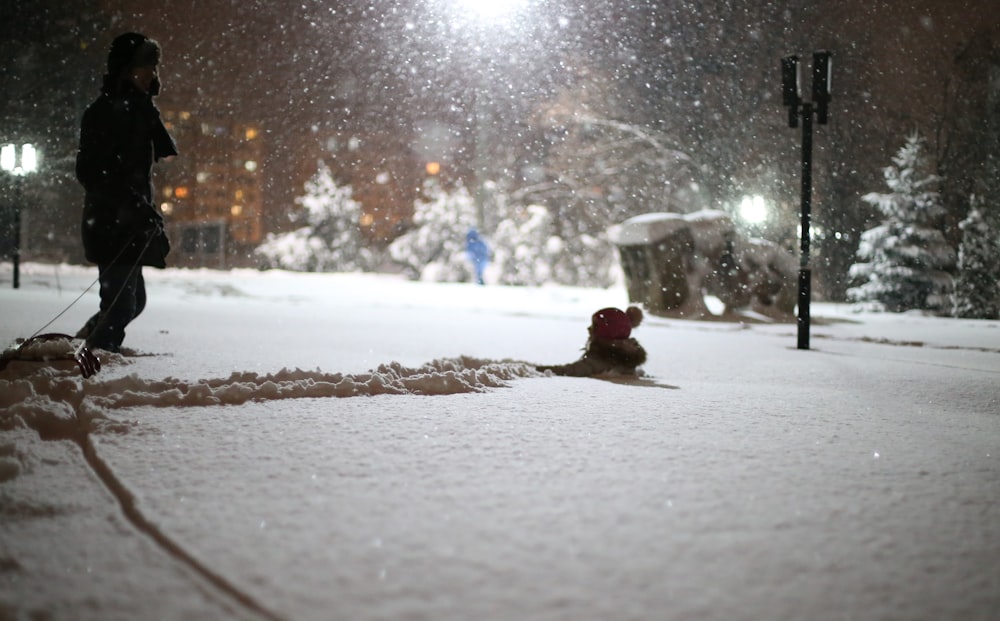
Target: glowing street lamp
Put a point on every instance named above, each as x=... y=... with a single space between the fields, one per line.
x=11 y=164
x=753 y=209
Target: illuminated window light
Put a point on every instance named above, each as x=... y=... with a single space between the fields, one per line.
x=250 y=165
x=236 y=210
x=433 y=168
x=182 y=192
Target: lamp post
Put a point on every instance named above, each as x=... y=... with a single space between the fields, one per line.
x=797 y=108
x=18 y=167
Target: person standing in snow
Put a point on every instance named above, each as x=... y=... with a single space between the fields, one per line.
x=121 y=136
x=610 y=348
x=478 y=253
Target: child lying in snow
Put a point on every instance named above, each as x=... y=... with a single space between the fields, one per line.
x=609 y=348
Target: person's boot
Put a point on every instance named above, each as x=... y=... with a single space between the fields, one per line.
x=88 y=327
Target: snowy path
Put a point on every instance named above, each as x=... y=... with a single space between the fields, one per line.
x=859 y=480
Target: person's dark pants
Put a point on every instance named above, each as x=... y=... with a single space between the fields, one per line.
x=123 y=297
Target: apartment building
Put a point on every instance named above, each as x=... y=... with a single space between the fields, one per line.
x=212 y=195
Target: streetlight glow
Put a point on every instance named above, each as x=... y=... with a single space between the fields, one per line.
x=29 y=159
x=753 y=209
x=9 y=164
x=7 y=157
x=492 y=9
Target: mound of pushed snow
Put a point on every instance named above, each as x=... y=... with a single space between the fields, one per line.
x=50 y=397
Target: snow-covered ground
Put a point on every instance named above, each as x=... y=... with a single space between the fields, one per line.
x=313 y=447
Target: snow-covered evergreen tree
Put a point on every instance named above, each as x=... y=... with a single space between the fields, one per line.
x=434 y=250
x=583 y=261
x=521 y=239
x=529 y=252
x=525 y=249
x=905 y=262
x=330 y=241
x=977 y=285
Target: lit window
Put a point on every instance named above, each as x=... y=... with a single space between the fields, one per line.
x=251 y=133
x=238 y=195
x=250 y=165
x=202 y=177
x=167 y=208
x=182 y=192
x=236 y=210
x=367 y=219
x=168 y=191
x=433 y=168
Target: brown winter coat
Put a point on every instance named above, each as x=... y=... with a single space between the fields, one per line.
x=620 y=356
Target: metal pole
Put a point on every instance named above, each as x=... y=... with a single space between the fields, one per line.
x=805 y=270
x=17 y=233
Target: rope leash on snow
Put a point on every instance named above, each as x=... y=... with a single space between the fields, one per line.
x=88 y=362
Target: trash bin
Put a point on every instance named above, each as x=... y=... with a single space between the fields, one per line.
x=672 y=261
x=656 y=251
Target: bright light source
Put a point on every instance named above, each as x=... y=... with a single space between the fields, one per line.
x=29 y=159
x=7 y=157
x=492 y=9
x=753 y=209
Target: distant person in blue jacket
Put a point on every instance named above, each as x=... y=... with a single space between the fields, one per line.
x=478 y=253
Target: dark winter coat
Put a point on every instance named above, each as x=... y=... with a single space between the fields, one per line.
x=121 y=135
x=621 y=356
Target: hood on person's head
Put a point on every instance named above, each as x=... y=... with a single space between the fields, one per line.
x=610 y=324
x=129 y=50
x=613 y=323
